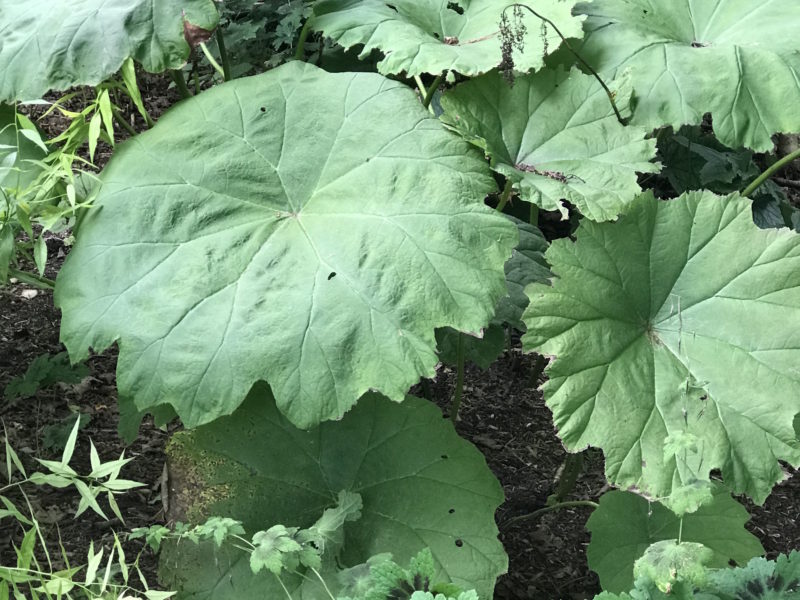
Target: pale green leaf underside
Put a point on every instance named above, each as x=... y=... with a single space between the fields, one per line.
x=555 y=135
x=47 y=45
x=421 y=484
x=625 y=525
x=281 y=228
x=427 y=36
x=679 y=306
x=737 y=59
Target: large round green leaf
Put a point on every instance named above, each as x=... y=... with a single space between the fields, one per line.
x=736 y=59
x=434 y=36
x=284 y=228
x=47 y=45
x=625 y=525
x=420 y=483
x=675 y=343
x=555 y=135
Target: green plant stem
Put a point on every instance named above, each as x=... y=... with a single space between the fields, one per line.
x=324 y=585
x=505 y=195
x=772 y=169
x=534 y=218
x=32 y=279
x=121 y=121
x=223 y=54
x=280 y=581
x=180 y=83
x=459 y=379
x=609 y=93
x=423 y=91
x=301 y=40
x=680 y=531
x=548 y=509
x=432 y=90
x=213 y=61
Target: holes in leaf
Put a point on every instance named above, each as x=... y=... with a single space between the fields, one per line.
x=445 y=456
x=459 y=543
x=263 y=109
x=451 y=511
x=455 y=8
x=332 y=275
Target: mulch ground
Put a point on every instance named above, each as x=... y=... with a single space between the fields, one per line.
x=502 y=414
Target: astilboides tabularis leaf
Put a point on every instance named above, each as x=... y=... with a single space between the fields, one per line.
x=284 y=228
x=422 y=486
x=554 y=134
x=48 y=45
x=435 y=36
x=737 y=59
x=676 y=351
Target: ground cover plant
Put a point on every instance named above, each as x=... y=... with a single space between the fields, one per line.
x=281 y=257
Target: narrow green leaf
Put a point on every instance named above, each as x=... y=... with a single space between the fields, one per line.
x=123 y=565
x=107 y=573
x=94 y=458
x=26 y=123
x=112 y=502
x=25 y=550
x=6 y=251
x=156 y=595
x=94 y=133
x=104 y=102
x=12 y=510
x=128 y=72
x=40 y=254
x=121 y=485
x=93 y=564
x=110 y=469
x=70 y=447
x=12 y=458
x=71 y=194
x=57 y=467
x=57 y=481
x=35 y=137
x=88 y=499
x=24 y=220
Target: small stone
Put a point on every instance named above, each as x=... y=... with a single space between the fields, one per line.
x=29 y=294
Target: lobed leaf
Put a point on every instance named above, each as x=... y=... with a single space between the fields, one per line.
x=57 y=45
x=625 y=525
x=434 y=36
x=554 y=134
x=275 y=232
x=421 y=486
x=651 y=322
x=736 y=59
